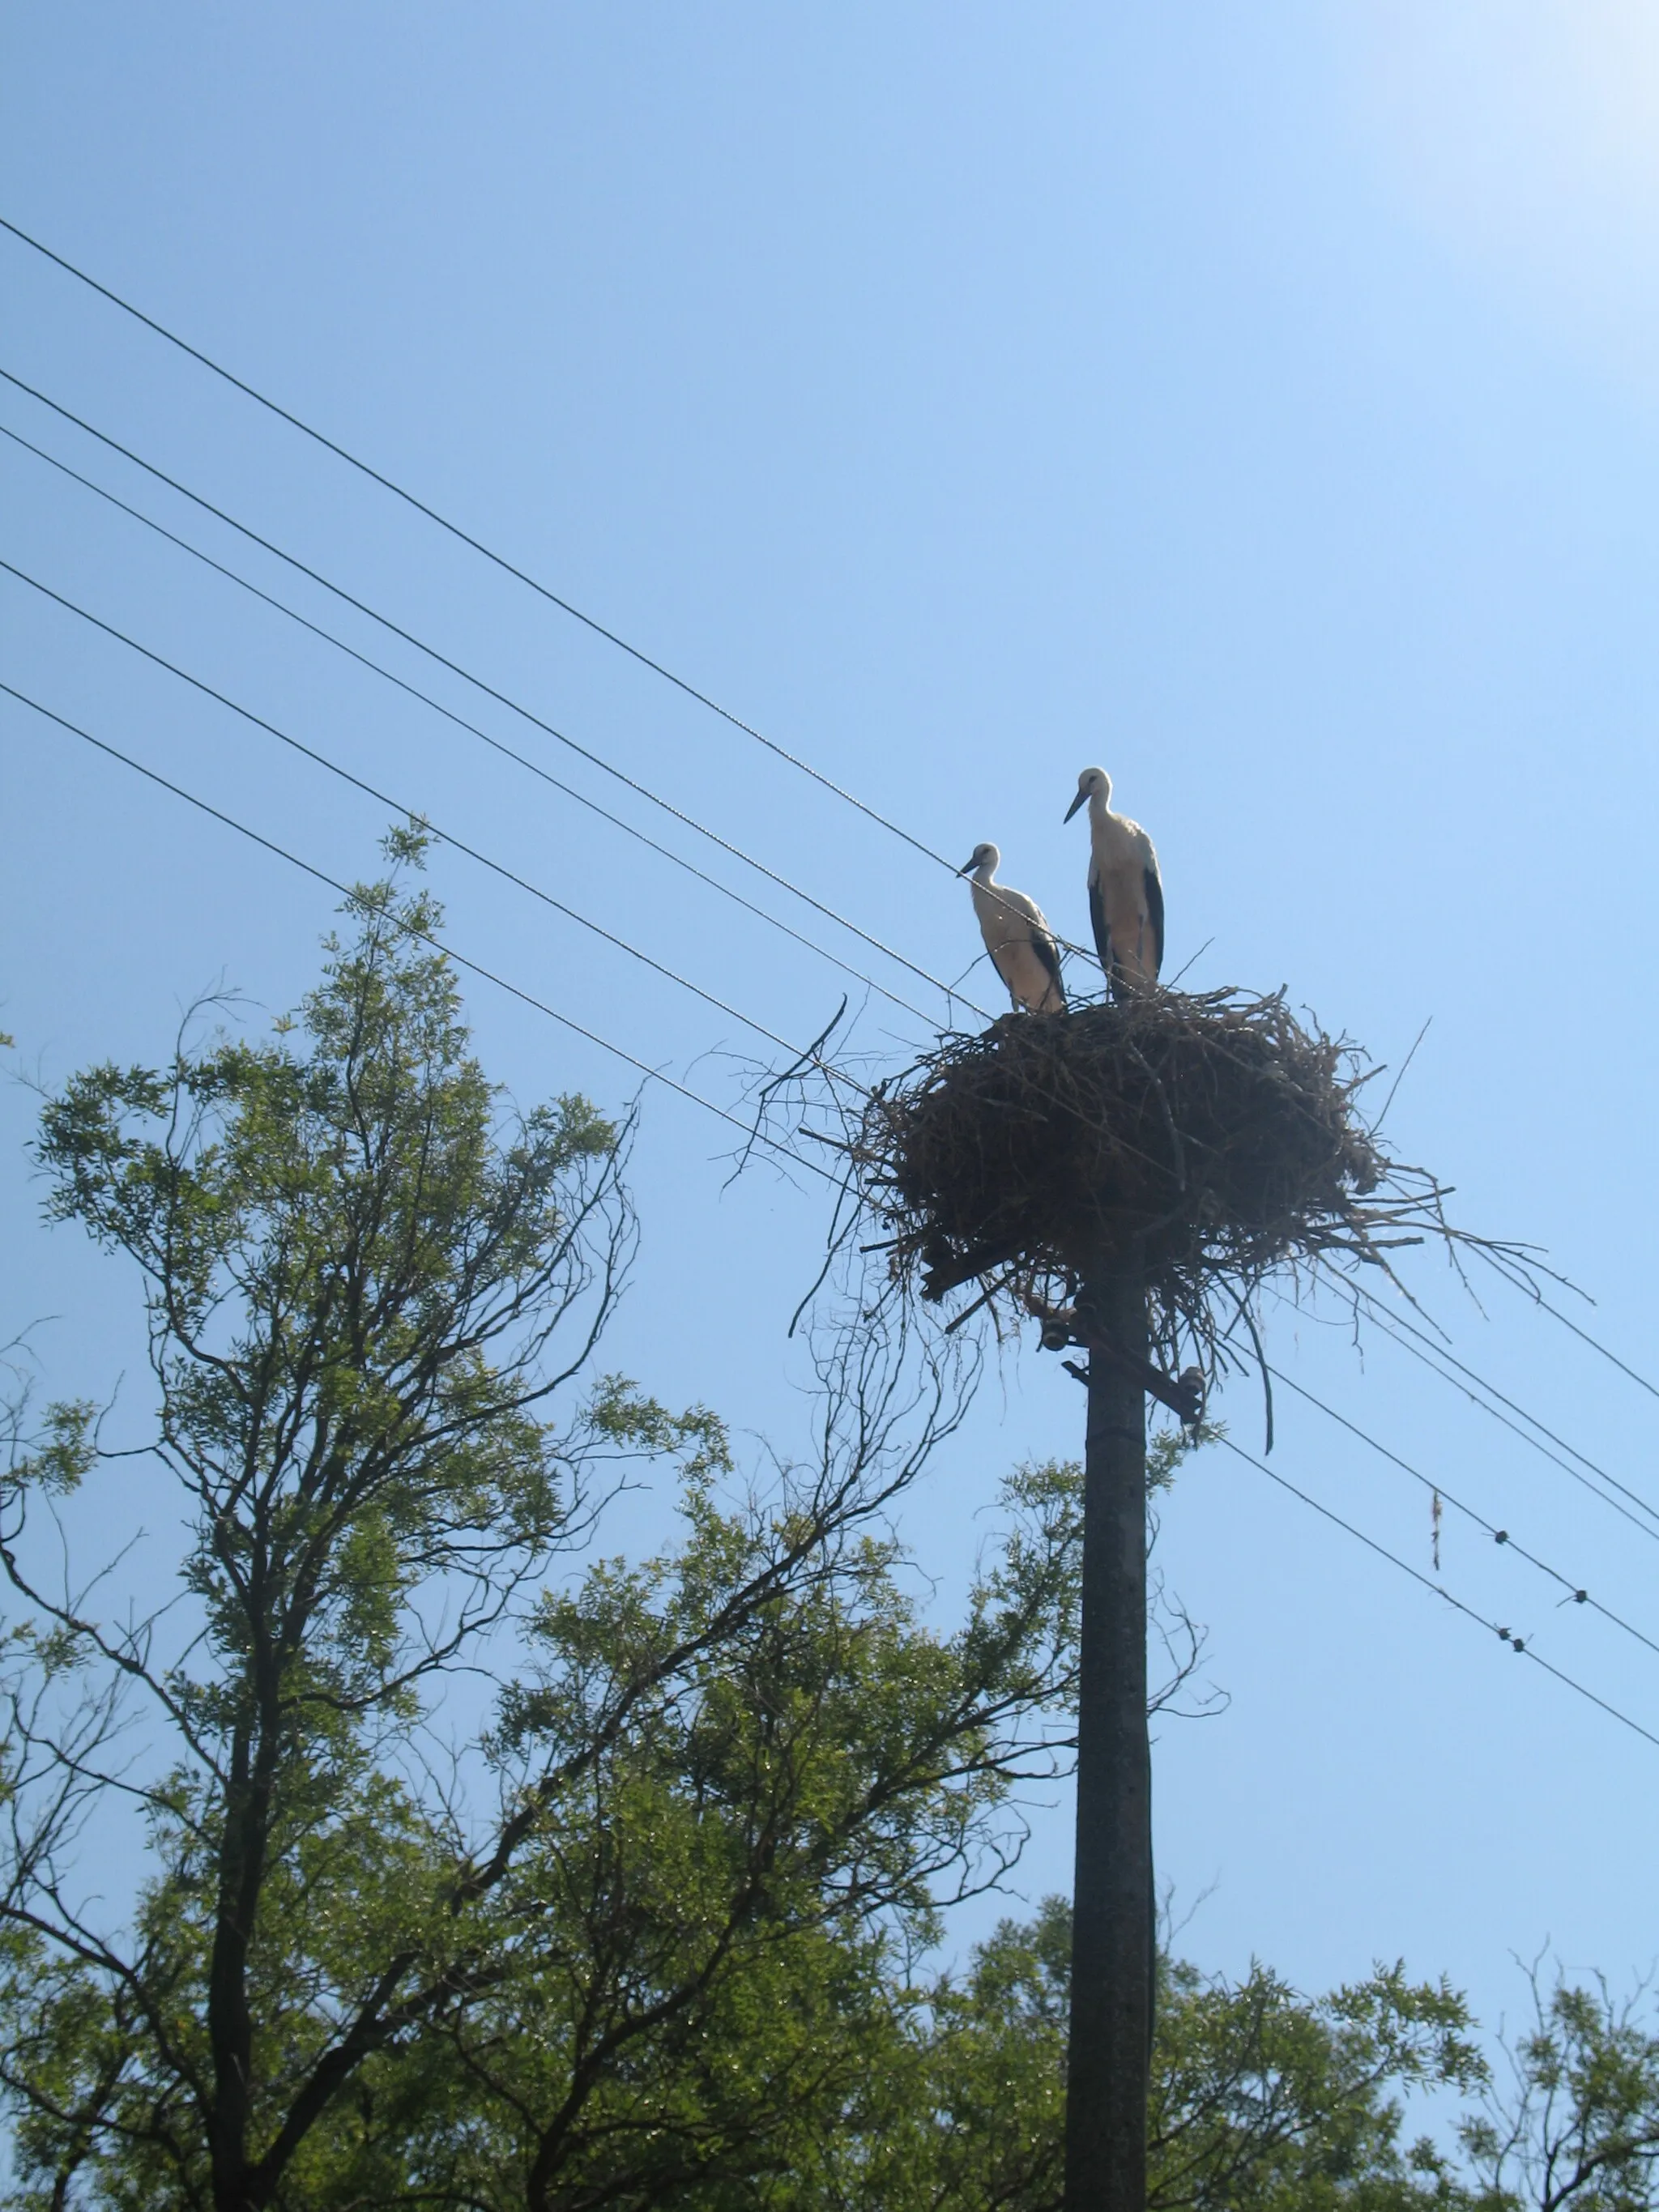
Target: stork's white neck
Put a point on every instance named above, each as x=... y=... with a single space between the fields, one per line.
x=984 y=872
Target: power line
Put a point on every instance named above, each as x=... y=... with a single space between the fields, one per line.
x=1515 y=1428
x=565 y=1021
x=323 y=760
x=521 y=760
x=508 y=752
x=692 y=691
x=1381 y=1318
x=1583 y=1335
x=448 y=837
x=473 y=967
x=1517 y=1643
x=621 y=944
x=1431 y=1354
x=497 y=744
x=567 y=607
x=1579 y=1595
x=949 y=990
x=595 y=760
x=476 y=544
x=1595 y=1344
x=799 y=1055
x=363 y=659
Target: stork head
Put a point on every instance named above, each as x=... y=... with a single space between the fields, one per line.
x=983 y=856
x=1093 y=782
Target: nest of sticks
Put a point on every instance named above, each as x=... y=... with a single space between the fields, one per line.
x=1213 y=1137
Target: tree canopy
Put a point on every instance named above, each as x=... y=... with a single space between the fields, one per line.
x=460 y=1865
x=710 y=1792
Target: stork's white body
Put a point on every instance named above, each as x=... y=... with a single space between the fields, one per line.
x=1126 y=891
x=1020 y=941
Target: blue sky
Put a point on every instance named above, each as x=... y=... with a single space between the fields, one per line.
x=1264 y=403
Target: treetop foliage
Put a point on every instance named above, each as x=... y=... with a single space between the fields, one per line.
x=717 y=1787
x=402 y=1856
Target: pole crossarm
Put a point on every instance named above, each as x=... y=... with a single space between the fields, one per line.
x=1063 y=1326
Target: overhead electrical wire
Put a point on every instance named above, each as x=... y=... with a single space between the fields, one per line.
x=554 y=599
x=580 y=799
x=473 y=967
x=645 y=659
x=445 y=836
x=1380 y=1319
x=534 y=767
x=794 y=760
x=1438 y=1358
x=508 y=568
x=1596 y=1345
x=222 y=699
x=692 y=691
x=477 y=545
x=1576 y=1592
x=522 y=760
x=489 y=690
x=1521 y=1645
x=1536 y=1297
x=801 y=1056
x=826 y=1068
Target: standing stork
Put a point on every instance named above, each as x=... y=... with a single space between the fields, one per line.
x=1126 y=892
x=1020 y=941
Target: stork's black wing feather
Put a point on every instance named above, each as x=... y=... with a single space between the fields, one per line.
x=1048 y=953
x=1097 y=922
x=1155 y=913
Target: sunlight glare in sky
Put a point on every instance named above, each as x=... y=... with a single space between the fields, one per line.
x=1525 y=134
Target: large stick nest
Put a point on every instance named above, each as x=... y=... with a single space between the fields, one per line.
x=1213 y=1137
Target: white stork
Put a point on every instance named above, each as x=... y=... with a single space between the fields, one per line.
x=1020 y=941
x=1126 y=892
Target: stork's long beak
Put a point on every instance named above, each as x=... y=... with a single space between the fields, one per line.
x=967 y=867
x=1075 y=804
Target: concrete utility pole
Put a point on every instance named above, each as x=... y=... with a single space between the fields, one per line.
x=1113 y=1949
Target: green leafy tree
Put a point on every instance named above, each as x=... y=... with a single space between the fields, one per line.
x=1578 y=2122
x=365 y=1284
x=699 y=1953
x=648 y=1933
x=1262 y=2101
x=640 y=1936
